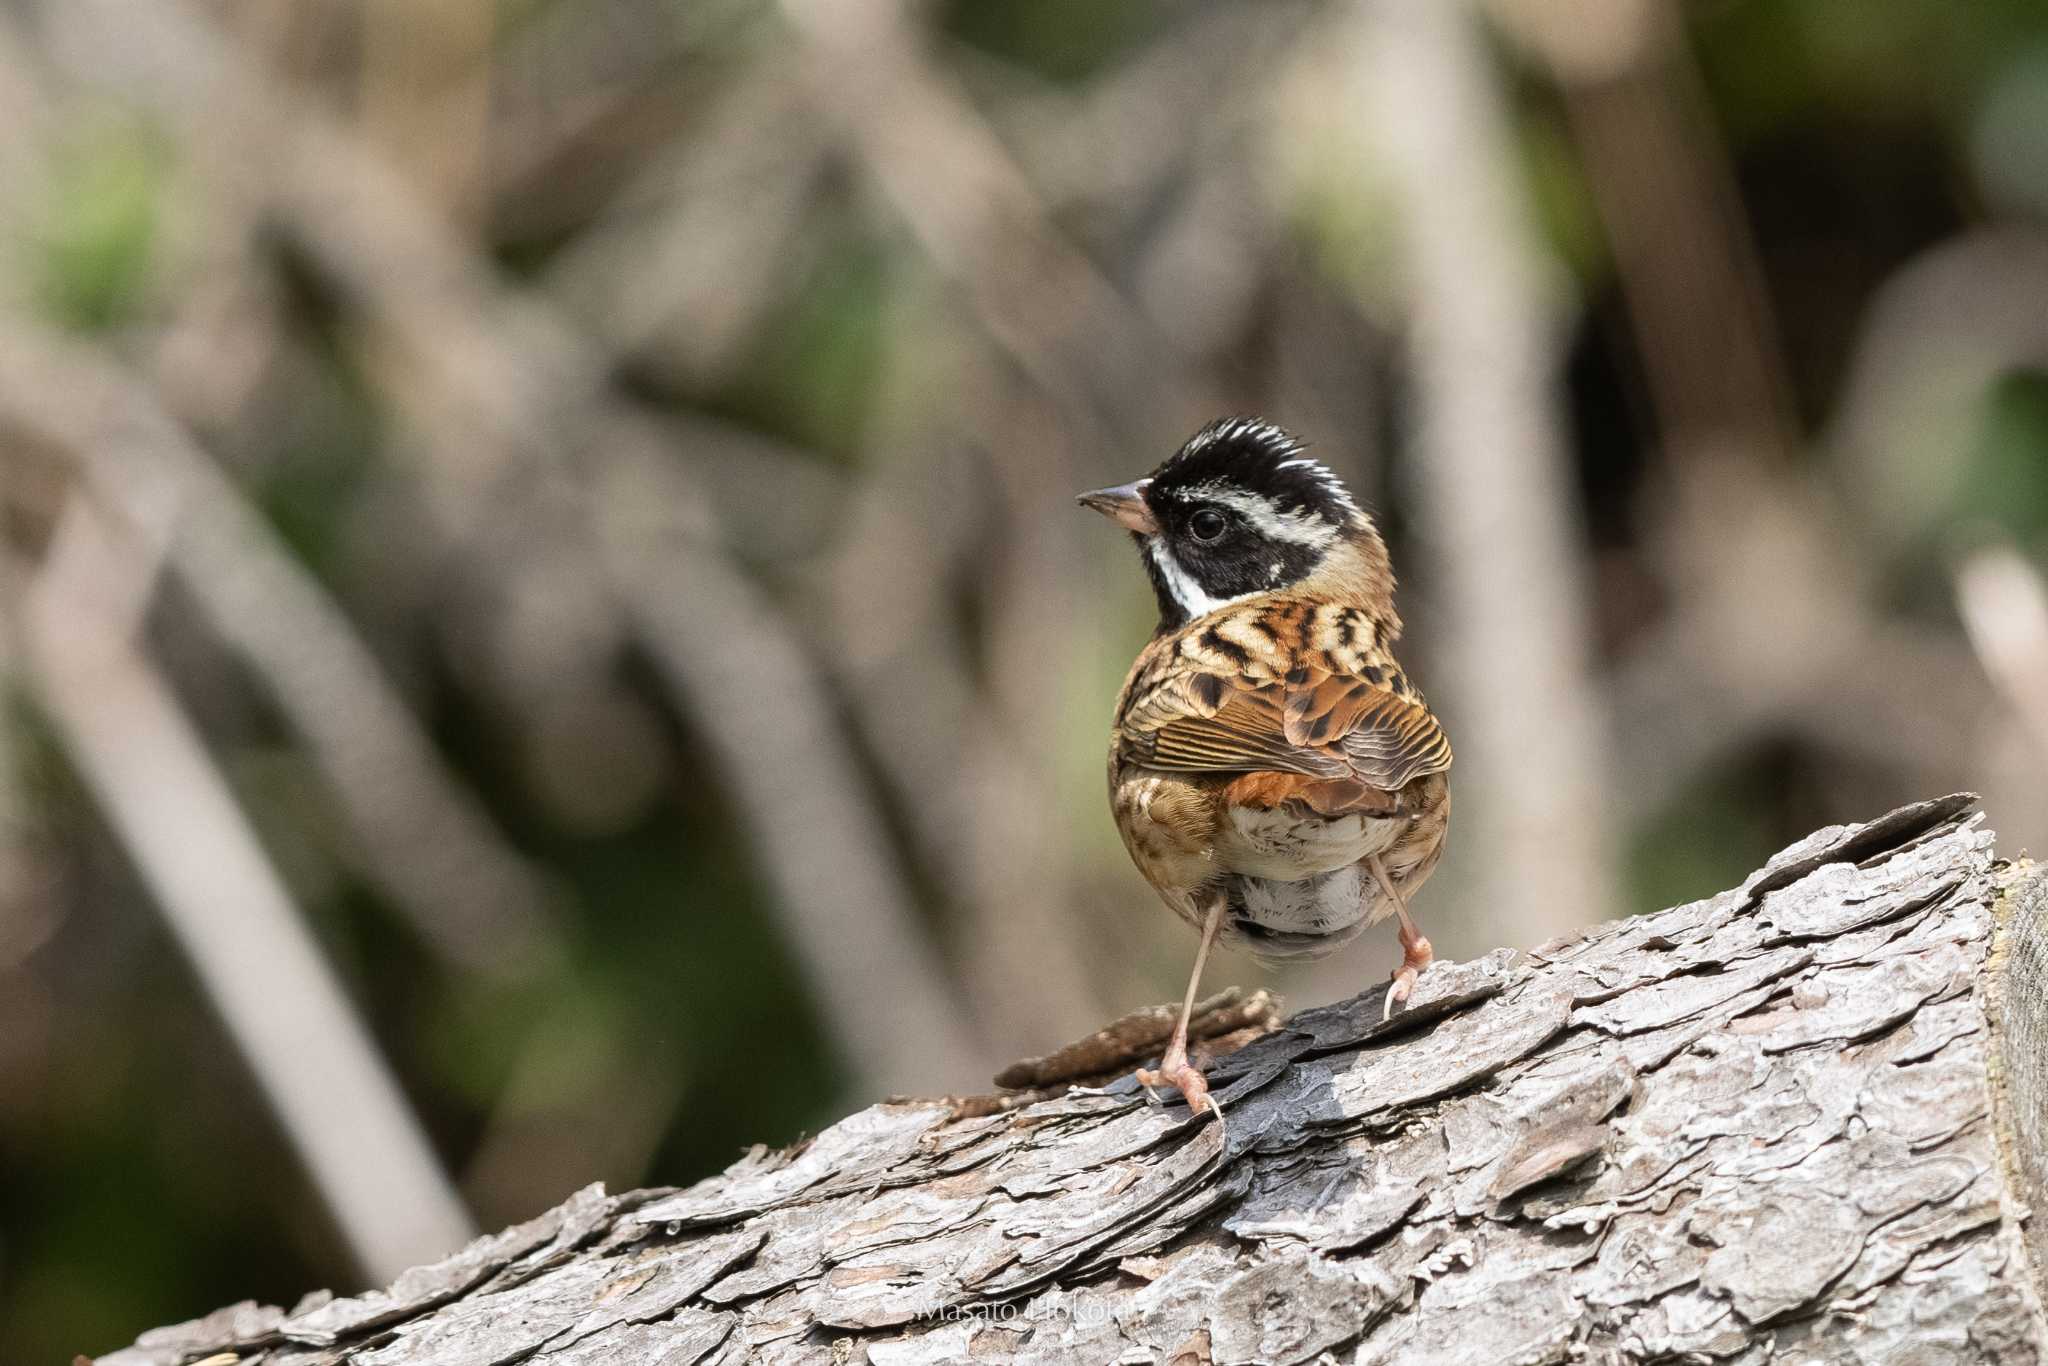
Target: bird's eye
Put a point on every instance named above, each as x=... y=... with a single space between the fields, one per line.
x=1207 y=524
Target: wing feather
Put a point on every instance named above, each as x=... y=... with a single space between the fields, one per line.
x=1303 y=718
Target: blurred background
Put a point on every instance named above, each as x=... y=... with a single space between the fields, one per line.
x=546 y=634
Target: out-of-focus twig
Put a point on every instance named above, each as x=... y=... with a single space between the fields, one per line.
x=426 y=90
x=1495 y=491
x=1115 y=144
x=1710 y=686
x=687 y=257
x=1943 y=328
x=25 y=920
x=149 y=771
x=767 y=717
x=508 y=392
x=424 y=839
x=982 y=225
x=2004 y=604
x=579 y=92
x=1667 y=198
x=980 y=803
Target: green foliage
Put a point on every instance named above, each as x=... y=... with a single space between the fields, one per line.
x=2005 y=481
x=1707 y=838
x=1559 y=195
x=813 y=375
x=100 y=222
x=1774 y=62
x=1063 y=40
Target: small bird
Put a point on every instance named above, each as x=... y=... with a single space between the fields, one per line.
x=1274 y=774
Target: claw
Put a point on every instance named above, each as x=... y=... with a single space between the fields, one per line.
x=1415 y=956
x=1402 y=988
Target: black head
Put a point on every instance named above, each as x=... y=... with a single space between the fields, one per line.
x=1238 y=510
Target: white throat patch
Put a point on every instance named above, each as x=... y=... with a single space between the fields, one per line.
x=1181 y=584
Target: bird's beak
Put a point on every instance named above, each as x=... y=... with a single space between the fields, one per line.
x=1124 y=505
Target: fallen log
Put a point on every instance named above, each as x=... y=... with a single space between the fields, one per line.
x=1800 y=1121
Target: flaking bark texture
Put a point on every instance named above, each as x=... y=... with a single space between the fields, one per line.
x=1756 y=1128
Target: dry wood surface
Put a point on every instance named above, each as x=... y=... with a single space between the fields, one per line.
x=1799 y=1121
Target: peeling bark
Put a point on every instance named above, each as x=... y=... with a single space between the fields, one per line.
x=1800 y=1121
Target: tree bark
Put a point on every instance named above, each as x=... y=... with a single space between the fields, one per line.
x=1801 y=1121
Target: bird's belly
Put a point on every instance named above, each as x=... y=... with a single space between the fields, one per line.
x=1286 y=845
x=1302 y=917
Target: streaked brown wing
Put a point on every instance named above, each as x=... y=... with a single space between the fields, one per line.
x=1389 y=740
x=1323 y=727
x=1233 y=740
x=1244 y=735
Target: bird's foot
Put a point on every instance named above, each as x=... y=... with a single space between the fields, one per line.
x=1222 y=1024
x=1415 y=956
x=1183 y=1076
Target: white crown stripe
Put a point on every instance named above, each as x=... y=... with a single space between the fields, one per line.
x=1275 y=440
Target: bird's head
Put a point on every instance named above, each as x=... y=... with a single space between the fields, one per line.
x=1240 y=510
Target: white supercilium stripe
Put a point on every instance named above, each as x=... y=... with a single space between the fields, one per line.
x=1296 y=528
x=1330 y=482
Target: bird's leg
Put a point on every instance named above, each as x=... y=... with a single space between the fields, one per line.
x=1415 y=953
x=1174 y=1069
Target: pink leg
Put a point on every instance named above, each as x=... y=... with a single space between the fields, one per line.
x=1174 y=1068
x=1415 y=952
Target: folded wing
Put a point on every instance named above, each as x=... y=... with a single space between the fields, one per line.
x=1318 y=725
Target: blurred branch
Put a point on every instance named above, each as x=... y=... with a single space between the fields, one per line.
x=780 y=501
x=26 y=919
x=1894 y=698
x=1495 y=490
x=581 y=91
x=425 y=94
x=2004 y=604
x=981 y=223
x=425 y=841
x=507 y=393
x=763 y=710
x=1943 y=328
x=147 y=767
x=1114 y=146
x=1668 y=200
x=701 y=242
x=980 y=804
x=1772 y=633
